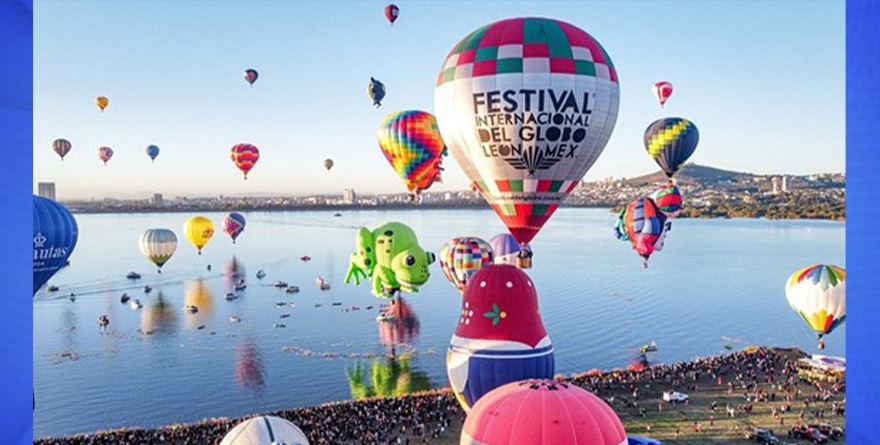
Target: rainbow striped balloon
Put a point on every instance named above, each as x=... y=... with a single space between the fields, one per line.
x=818 y=294
x=411 y=142
x=245 y=156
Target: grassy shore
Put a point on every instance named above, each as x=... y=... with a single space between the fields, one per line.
x=681 y=424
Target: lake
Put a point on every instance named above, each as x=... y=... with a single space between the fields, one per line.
x=716 y=283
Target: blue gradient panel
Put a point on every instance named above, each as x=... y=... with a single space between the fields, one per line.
x=16 y=134
x=862 y=211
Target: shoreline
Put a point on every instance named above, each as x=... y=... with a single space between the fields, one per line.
x=437 y=412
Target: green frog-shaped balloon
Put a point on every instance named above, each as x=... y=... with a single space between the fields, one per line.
x=391 y=257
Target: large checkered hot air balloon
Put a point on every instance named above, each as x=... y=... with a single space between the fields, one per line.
x=818 y=294
x=411 y=142
x=526 y=105
x=500 y=337
x=670 y=142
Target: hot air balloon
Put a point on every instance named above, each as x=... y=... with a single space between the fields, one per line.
x=102 y=102
x=499 y=337
x=245 y=156
x=105 y=153
x=233 y=225
x=251 y=75
x=265 y=430
x=507 y=250
x=328 y=164
x=411 y=142
x=668 y=200
x=199 y=231
x=542 y=412
x=391 y=12
x=391 y=257
x=376 y=91
x=62 y=147
x=645 y=224
x=158 y=245
x=818 y=294
x=670 y=142
x=152 y=152
x=55 y=235
x=662 y=91
x=462 y=257
x=526 y=106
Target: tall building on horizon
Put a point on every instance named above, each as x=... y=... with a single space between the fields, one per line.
x=349 y=196
x=786 y=183
x=157 y=200
x=46 y=190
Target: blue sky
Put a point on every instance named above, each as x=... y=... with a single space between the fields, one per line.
x=763 y=81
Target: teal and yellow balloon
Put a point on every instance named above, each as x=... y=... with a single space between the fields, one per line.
x=670 y=142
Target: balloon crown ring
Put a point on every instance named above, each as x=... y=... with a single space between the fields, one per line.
x=551 y=385
x=39 y=240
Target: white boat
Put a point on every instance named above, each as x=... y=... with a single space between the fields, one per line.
x=261 y=274
x=231 y=296
x=384 y=317
x=234 y=319
x=320 y=282
x=136 y=304
x=192 y=309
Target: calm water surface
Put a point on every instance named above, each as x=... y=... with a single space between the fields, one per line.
x=716 y=282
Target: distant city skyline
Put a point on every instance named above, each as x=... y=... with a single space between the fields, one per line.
x=764 y=82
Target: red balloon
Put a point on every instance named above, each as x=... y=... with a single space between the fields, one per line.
x=245 y=156
x=391 y=12
x=662 y=91
x=542 y=412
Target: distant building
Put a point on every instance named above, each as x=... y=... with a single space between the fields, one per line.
x=777 y=184
x=46 y=190
x=786 y=183
x=156 y=200
x=349 y=196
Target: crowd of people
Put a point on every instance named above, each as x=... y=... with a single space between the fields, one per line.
x=756 y=379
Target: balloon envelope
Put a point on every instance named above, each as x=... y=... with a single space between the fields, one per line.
x=245 y=156
x=818 y=294
x=526 y=106
x=198 y=231
x=158 y=245
x=265 y=430
x=411 y=142
x=61 y=147
x=233 y=225
x=328 y=164
x=662 y=91
x=152 y=152
x=500 y=337
x=251 y=75
x=105 y=153
x=670 y=142
x=102 y=102
x=376 y=91
x=668 y=200
x=542 y=412
x=505 y=249
x=645 y=224
x=462 y=257
x=55 y=236
x=391 y=12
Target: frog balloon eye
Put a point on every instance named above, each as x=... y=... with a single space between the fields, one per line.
x=410 y=260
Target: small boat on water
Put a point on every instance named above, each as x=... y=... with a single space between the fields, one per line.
x=230 y=296
x=317 y=305
x=279 y=325
x=728 y=346
x=337 y=214
x=52 y=288
x=284 y=316
x=649 y=348
x=325 y=286
x=136 y=304
x=147 y=289
x=103 y=321
x=191 y=308
x=124 y=298
x=72 y=296
x=234 y=319
x=261 y=274
x=337 y=303
x=292 y=289
x=305 y=258
x=280 y=304
x=239 y=287
x=281 y=284
x=133 y=275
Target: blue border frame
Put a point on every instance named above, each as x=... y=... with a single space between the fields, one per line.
x=16 y=140
x=862 y=209
x=863 y=165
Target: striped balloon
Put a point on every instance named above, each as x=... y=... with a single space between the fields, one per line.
x=102 y=102
x=668 y=200
x=662 y=91
x=158 y=245
x=105 y=153
x=62 y=147
x=233 y=224
x=670 y=142
x=55 y=236
x=818 y=294
x=645 y=224
x=462 y=257
x=411 y=142
x=245 y=156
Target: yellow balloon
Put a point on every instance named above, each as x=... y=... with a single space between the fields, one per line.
x=102 y=102
x=199 y=231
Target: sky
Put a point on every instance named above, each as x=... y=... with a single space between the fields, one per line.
x=763 y=81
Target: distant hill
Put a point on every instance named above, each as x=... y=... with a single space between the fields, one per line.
x=691 y=173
